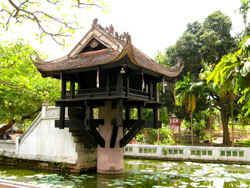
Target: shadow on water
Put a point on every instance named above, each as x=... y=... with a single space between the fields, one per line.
x=143 y=174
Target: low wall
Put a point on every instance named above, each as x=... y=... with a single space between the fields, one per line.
x=44 y=146
x=7 y=148
x=239 y=155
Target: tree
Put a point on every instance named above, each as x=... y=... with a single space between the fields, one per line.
x=186 y=93
x=234 y=71
x=22 y=89
x=244 y=10
x=58 y=21
x=218 y=98
x=208 y=41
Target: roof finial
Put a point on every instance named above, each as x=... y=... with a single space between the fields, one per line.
x=95 y=21
x=111 y=29
x=127 y=37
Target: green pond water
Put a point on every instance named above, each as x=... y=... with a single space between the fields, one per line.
x=141 y=174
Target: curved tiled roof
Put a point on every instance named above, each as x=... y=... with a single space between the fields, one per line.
x=111 y=54
x=80 y=61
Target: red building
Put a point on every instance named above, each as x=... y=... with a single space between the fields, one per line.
x=175 y=124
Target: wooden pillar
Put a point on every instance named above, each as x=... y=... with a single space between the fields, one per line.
x=62 y=106
x=155 y=90
x=140 y=112
x=119 y=118
x=108 y=84
x=156 y=119
x=127 y=87
x=88 y=115
x=127 y=113
x=62 y=116
x=63 y=86
x=150 y=90
x=72 y=88
x=119 y=84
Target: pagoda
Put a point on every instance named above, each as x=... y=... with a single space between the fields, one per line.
x=105 y=71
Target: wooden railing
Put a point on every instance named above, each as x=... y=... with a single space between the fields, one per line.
x=103 y=91
x=91 y=91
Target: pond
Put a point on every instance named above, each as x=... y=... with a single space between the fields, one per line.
x=141 y=174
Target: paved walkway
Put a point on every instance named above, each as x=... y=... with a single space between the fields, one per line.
x=12 y=184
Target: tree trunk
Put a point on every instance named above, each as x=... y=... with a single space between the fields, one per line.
x=192 y=130
x=210 y=130
x=232 y=117
x=225 y=119
x=6 y=127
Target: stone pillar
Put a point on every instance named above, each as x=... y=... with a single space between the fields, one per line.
x=109 y=160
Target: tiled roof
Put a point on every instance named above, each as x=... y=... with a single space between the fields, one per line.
x=117 y=47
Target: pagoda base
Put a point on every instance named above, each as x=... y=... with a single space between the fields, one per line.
x=109 y=160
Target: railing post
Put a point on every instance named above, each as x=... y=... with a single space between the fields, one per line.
x=119 y=84
x=108 y=84
x=72 y=88
x=63 y=86
x=150 y=90
x=127 y=93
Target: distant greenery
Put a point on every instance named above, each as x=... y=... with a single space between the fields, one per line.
x=201 y=47
x=22 y=88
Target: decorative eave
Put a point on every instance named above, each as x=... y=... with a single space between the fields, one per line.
x=117 y=47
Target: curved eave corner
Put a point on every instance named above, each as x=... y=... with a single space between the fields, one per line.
x=162 y=71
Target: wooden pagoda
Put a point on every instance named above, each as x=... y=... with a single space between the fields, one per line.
x=106 y=67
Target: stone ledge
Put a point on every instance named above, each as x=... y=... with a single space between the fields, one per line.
x=46 y=165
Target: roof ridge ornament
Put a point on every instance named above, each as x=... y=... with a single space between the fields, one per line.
x=110 y=30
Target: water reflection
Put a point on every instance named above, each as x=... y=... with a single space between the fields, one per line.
x=144 y=174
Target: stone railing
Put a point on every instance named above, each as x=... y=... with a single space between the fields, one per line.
x=189 y=153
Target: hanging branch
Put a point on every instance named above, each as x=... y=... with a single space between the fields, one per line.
x=25 y=10
x=10 y=85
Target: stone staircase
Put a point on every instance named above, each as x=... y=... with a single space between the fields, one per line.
x=85 y=149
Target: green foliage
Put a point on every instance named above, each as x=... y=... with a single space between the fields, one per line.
x=162 y=59
x=233 y=71
x=186 y=93
x=149 y=136
x=56 y=19
x=22 y=89
x=209 y=41
x=244 y=10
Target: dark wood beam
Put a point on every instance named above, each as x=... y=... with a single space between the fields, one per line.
x=127 y=113
x=156 y=119
x=134 y=104
x=62 y=116
x=150 y=90
x=147 y=124
x=127 y=87
x=97 y=136
x=76 y=123
x=113 y=136
x=132 y=132
x=72 y=88
x=108 y=83
x=155 y=91
x=119 y=116
x=140 y=112
x=119 y=83
x=63 y=86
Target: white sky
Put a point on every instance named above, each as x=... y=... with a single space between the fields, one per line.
x=153 y=25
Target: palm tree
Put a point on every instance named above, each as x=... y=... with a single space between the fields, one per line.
x=186 y=93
